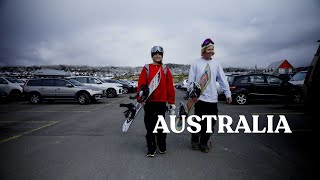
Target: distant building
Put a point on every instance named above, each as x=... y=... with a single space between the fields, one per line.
x=280 y=67
x=50 y=73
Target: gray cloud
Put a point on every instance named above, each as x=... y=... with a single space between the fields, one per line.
x=118 y=33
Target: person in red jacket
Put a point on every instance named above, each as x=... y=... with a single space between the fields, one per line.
x=156 y=103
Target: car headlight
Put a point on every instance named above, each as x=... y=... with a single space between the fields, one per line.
x=95 y=91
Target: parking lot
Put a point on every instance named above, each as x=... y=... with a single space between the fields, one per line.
x=65 y=140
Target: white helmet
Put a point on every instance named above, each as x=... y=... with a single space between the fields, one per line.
x=156 y=49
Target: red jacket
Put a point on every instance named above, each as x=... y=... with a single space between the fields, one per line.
x=165 y=91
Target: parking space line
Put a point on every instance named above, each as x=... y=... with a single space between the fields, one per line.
x=51 y=111
x=28 y=132
x=248 y=106
x=272 y=113
x=46 y=111
x=302 y=130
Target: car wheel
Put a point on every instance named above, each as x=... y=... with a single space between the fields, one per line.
x=83 y=98
x=35 y=98
x=111 y=93
x=125 y=90
x=241 y=99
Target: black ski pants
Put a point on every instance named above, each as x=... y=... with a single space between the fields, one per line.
x=152 y=110
x=204 y=108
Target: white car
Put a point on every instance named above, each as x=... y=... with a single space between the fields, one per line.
x=184 y=84
x=11 y=86
x=109 y=89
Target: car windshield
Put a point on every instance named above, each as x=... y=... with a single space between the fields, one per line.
x=103 y=81
x=20 y=81
x=14 y=80
x=299 y=76
x=75 y=82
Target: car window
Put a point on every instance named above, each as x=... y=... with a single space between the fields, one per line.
x=35 y=82
x=75 y=82
x=12 y=80
x=81 y=79
x=61 y=82
x=47 y=82
x=299 y=76
x=20 y=81
x=102 y=80
x=273 y=80
x=97 y=80
x=2 y=81
x=241 y=79
x=256 y=79
x=91 y=81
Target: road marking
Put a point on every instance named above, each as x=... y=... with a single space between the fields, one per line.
x=28 y=132
x=50 y=111
x=262 y=105
x=302 y=130
x=272 y=113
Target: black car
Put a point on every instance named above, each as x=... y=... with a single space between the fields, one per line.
x=262 y=87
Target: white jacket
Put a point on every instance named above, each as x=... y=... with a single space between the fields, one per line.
x=210 y=94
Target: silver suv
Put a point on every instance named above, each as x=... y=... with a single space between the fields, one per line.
x=55 y=88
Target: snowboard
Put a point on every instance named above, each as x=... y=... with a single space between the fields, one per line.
x=133 y=110
x=196 y=92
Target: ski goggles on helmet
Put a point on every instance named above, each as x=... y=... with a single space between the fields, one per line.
x=157 y=49
x=207 y=42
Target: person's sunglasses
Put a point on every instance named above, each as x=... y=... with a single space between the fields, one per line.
x=207 y=42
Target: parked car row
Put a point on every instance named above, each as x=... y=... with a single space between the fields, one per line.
x=10 y=87
x=85 y=89
x=252 y=87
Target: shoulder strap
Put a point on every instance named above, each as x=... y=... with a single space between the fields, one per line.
x=147 y=73
x=165 y=69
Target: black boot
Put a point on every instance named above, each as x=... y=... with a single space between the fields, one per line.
x=204 y=143
x=195 y=141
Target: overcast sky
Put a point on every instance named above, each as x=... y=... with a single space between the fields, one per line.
x=121 y=33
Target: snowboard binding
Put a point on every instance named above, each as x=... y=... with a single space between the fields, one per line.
x=142 y=95
x=195 y=92
x=130 y=112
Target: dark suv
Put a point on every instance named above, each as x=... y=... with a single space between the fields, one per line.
x=55 y=88
x=312 y=82
x=262 y=87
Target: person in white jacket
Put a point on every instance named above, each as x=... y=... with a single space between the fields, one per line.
x=206 y=104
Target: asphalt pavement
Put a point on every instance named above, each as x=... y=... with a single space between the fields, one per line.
x=65 y=140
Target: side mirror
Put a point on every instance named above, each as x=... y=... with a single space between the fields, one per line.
x=69 y=85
